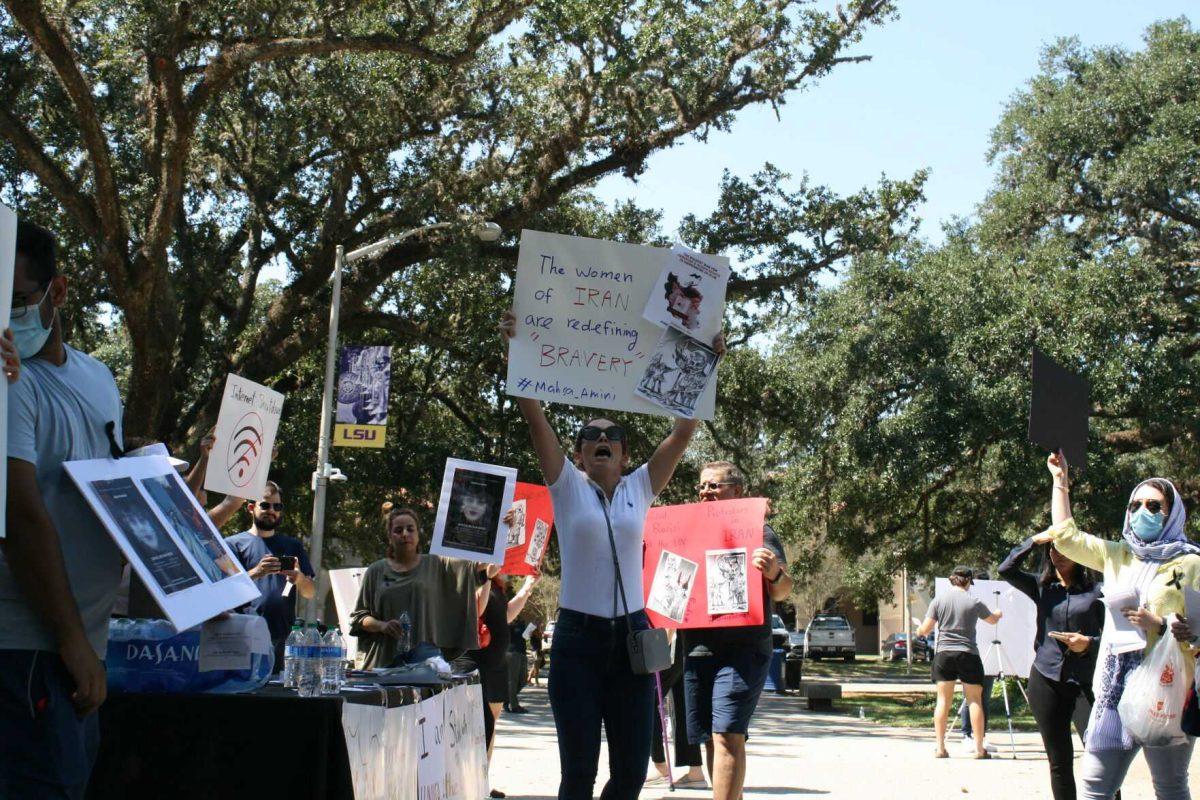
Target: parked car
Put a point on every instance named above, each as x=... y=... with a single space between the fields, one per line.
x=895 y=648
x=829 y=635
x=779 y=633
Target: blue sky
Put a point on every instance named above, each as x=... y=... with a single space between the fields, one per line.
x=939 y=80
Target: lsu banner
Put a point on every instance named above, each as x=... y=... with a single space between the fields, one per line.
x=364 y=377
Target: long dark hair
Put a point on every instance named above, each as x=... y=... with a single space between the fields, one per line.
x=390 y=512
x=1081 y=577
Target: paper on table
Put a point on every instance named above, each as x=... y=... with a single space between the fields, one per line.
x=1124 y=636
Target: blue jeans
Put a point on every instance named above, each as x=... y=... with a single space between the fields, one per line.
x=965 y=710
x=46 y=750
x=1101 y=774
x=592 y=685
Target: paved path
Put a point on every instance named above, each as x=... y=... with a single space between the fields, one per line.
x=800 y=754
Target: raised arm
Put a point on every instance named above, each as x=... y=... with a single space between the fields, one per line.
x=1060 y=494
x=223 y=511
x=517 y=604
x=545 y=442
x=1012 y=570
x=195 y=478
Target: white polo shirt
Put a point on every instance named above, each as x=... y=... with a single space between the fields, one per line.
x=588 y=579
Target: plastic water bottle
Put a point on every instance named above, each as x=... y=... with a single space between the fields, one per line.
x=291 y=654
x=308 y=679
x=333 y=661
x=406 y=643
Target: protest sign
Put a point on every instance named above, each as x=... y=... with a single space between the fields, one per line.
x=679 y=373
x=1015 y=632
x=690 y=294
x=245 y=437
x=470 y=512
x=703 y=551
x=431 y=751
x=530 y=532
x=8 y=253
x=364 y=379
x=345 y=584
x=165 y=535
x=581 y=334
x=465 y=743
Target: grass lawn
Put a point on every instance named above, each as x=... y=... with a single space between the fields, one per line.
x=916 y=711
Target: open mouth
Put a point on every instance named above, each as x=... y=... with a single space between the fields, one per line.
x=603 y=451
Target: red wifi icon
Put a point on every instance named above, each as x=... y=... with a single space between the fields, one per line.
x=245 y=448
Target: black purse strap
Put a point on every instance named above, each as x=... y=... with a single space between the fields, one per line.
x=612 y=543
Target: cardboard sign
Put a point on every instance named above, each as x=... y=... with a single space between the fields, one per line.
x=345 y=584
x=364 y=379
x=465 y=743
x=581 y=335
x=8 y=253
x=530 y=534
x=704 y=549
x=245 y=434
x=431 y=750
x=165 y=535
x=1015 y=632
x=1058 y=410
x=470 y=513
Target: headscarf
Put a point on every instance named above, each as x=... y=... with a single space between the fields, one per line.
x=1173 y=542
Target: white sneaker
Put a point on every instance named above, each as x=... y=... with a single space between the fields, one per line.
x=968 y=745
x=989 y=747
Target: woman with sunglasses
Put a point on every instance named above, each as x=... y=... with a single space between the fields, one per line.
x=591 y=681
x=1070 y=619
x=1154 y=558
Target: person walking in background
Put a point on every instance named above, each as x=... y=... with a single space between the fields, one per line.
x=964 y=709
x=1154 y=558
x=518 y=664
x=1070 y=619
x=957 y=658
x=687 y=752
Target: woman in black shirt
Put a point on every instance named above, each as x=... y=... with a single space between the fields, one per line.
x=1070 y=618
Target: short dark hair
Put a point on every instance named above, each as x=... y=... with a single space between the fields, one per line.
x=962 y=577
x=40 y=248
x=1081 y=576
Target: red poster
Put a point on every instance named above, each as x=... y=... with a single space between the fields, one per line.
x=697 y=571
x=530 y=534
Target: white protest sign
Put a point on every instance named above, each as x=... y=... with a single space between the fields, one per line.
x=8 y=252
x=245 y=436
x=400 y=746
x=471 y=511
x=431 y=751
x=165 y=535
x=581 y=335
x=345 y=584
x=465 y=742
x=1015 y=632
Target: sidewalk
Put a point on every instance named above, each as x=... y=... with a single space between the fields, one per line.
x=796 y=753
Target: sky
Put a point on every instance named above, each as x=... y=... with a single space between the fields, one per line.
x=938 y=82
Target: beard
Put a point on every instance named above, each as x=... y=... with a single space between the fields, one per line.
x=264 y=524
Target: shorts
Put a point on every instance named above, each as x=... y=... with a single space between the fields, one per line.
x=721 y=691
x=958 y=666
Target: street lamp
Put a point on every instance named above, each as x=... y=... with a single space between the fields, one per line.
x=326 y=472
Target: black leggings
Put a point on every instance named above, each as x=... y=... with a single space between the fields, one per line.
x=1053 y=704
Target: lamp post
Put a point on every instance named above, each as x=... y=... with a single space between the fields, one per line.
x=326 y=472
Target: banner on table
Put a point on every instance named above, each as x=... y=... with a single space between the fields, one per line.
x=529 y=535
x=431 y=751
x=697 y=570
x=345 y=584
x=465 y=743
x=245 y=436
x=364 y=378
x=471 y=511
x=165 y=535
x=8 y=254
x=1016 y=630
x=382 y=744
x=581 y=334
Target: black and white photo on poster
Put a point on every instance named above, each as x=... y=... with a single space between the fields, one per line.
x=537 y=546
x=516 y=531
x=678 y=373
x=192 y=526
x=364 y=378
x=690 y=293
x=672 y=586
x=145 y=534
x=727 y=586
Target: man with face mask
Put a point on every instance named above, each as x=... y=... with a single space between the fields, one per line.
x=59 y=569
x=261 y=551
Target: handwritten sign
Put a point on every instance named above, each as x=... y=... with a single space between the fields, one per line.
x=708 y=537
x=8 y=253
x=431 y=750
x=530 y=533
x=581 y=335
x=245 y=435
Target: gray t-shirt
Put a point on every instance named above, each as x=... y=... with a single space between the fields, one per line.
x=956 y=613
x=58 y=414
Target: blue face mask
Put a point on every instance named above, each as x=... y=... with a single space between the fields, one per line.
x=29 y=335
x=1146 y=526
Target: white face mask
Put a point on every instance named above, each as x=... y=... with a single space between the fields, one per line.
x=29 y=335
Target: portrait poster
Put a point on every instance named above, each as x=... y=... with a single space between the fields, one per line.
x=581 y=335
x=672 y=587
x=363 y=384
x=8 y=255
x=525 y=548
x=246 y=427
x=679 y=373
x=471 y=508
x=690 y=294
x=165 y=535
x=719 y=538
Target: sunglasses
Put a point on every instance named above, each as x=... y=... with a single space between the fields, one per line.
x=713 y=485
x=1153 y=506
x=591 y=433
x=263 y=505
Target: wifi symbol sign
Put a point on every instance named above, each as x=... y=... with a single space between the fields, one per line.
x=245 y=447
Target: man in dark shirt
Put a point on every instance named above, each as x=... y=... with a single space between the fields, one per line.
x=726 y=668
x=261 y=551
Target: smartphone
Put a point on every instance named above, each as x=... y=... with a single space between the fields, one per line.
x=287 y=563
x=1059 y=635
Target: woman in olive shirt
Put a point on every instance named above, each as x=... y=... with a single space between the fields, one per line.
x=442 y=596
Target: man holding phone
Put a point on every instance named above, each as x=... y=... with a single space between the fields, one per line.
x=277 y=564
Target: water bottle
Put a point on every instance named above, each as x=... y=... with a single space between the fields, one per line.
x=291 y=654
x=333 y=661
x=308 y=679
x=406 y=643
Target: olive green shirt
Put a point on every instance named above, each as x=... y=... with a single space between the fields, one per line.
x=439 y=596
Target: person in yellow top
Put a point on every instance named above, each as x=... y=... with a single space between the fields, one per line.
x=1155 y=558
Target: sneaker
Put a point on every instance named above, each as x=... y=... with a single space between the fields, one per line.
x=988 y=747
x=968 y=745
